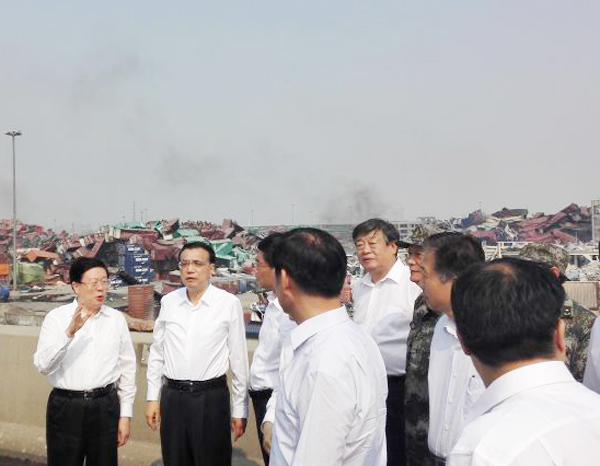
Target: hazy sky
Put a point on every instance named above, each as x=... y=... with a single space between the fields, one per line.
x=332 y=110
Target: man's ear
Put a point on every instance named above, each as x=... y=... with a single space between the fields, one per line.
x=555 y=271
x=560 y=346
x=464 y=347
x=285 y=281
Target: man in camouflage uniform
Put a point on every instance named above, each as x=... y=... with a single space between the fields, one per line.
x=416 y=401
x=578 y=320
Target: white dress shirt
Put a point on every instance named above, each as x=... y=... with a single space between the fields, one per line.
x=591 y=376
x=385 y=310
x=536 y=415
x=329 y=407
x=454 y=386
x=276 y=324
x=200 y=342
x=100 y=353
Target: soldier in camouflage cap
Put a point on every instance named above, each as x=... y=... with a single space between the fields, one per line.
x=416 y=398
x=419 y=234
x=549 y=254
x=578 y=320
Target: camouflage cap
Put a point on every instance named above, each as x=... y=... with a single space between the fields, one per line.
x=549 y=254
x=419 y=234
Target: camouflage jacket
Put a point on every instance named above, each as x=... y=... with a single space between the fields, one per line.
x=578 y=326
x=416 y=400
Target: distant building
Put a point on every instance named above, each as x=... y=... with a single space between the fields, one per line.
x=596 y=220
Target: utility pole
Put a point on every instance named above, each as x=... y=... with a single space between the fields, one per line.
x=13 y=135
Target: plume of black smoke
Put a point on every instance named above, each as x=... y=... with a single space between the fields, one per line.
x=353 y=205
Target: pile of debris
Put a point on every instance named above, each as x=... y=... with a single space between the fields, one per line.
x=570 y=225
x=137 y=253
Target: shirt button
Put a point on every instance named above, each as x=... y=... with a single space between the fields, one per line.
x=446 y=427
x=454 y=374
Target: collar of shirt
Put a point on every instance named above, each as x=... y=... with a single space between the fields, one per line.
x=103 y=311
x=517 y=381
x=206 y=297
x=272 y=299
x=449 y=325
x=394 y=274
x=314 y=325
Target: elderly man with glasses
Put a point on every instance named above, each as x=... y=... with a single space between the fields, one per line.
x=198 y=336
x=86 y=351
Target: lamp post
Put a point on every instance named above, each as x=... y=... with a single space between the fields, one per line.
x=13 y=135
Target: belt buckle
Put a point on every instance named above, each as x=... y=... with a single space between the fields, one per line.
x=88 y=394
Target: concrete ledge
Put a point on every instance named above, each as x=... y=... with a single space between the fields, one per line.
x=24 y=394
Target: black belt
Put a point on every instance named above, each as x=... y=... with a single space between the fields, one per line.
x=86 y=394
x=196 y=385
x=260 y=394
x=396 y=378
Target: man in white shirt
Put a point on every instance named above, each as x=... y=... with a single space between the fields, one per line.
x=197 y=337
x=86 y=352
x=454 y=384
x=591 y=376
x=329 y=406
x=533 y=412
x=264 y=371
x=384 y=301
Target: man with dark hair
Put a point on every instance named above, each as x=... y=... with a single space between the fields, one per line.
x=453 y=381
x=578 y=320
x=416 y=400
x=198 y=336
x=329 y=406
x=264 y=371
x=532 y=412
x=86 y=352
x=383 y=305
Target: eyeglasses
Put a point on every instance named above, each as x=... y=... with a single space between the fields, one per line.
x=196 y=264
x=93 y=284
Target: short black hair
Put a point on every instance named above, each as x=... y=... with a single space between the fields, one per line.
x=507 y=310
x=200 y=245
x=266 y=246
x=389 y=231
x=314 y=259
x=81 y=265
x=454 y=252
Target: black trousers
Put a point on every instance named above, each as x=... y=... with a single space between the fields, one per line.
x=195 y=428
x=260 y=398
x=394 y=427
x=78 y=428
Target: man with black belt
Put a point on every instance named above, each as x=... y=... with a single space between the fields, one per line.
x=86 y=351
x=264 y=372
x=383 y=305
x=198 y=335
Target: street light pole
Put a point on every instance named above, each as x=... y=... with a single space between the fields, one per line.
x=13 y=135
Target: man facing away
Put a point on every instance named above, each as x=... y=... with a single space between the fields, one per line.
x=329 y=407
x=198 y=335
x=454 y=384
x=578 y=320
x=264 y=371
x=533 y=412
x=383 y=305
x=86 y=352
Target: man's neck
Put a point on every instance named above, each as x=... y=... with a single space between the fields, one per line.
x=379 y=274
x=312 y=306
x=489 y=373
x=195 y=295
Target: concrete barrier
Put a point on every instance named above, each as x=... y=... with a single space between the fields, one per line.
x=24 y=393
